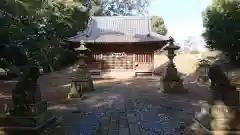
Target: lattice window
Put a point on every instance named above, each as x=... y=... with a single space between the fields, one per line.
x=144 y=57
x=97 y=57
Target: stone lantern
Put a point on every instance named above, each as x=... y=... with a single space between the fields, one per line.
x=171 y=48
x=172 y=83
x=81 y=80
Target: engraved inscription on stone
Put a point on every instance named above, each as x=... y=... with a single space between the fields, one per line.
x=221 y=111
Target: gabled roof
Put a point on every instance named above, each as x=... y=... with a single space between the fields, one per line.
x=118 y=29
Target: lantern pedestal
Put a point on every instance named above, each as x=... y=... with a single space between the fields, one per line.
x=28 y=114
x=81 y=81
x=25 y=124
x=172 y=83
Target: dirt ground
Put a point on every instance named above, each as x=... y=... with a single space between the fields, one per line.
x=55 y=86
x=138 y=94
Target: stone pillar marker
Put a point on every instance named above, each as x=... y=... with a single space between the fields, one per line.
x=81 y=79
x=28 y=113
x=172 y=83
x=203 y=69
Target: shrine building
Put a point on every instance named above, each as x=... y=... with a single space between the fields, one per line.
x=120 y=45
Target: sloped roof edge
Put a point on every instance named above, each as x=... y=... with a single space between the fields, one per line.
x=87 y=32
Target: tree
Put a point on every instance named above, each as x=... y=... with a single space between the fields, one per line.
x=34 y=31
x=158 y=25
x=120 y=7
x=37 y=29
x=221 y=21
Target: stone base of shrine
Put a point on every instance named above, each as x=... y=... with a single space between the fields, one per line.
x=215 y=120
x=173 y=87
x=112 y=74
x=204 y=126
x=11 y=125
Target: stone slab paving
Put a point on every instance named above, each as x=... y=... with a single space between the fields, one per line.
x=87 y=125
x=123 y=110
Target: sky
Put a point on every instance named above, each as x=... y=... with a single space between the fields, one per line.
x=183 y=18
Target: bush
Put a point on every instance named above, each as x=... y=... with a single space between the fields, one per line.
x=66 y=58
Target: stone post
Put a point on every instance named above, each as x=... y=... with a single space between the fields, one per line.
x=81 y=80
x=203 y=67
x=172 y=83
x=28 y=114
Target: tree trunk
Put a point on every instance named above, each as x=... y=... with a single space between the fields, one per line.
x=48 y=67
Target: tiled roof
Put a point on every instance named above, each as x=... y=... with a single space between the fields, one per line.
x=118 y=29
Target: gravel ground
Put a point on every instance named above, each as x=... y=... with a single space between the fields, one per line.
x=130 y=107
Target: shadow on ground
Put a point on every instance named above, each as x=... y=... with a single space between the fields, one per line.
x=141 y=96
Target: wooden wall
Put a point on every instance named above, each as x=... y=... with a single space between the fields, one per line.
x=139 y=57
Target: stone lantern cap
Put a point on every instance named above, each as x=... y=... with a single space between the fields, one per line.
x=81 y=47
x=171 y=45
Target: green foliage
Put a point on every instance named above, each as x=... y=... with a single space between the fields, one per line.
x=221 y=21
x=158 y=25
x=37 y=29
x=34 y=31
x=119 y=7
x=203 y=63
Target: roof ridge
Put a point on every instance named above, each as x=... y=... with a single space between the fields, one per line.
x=123 y=17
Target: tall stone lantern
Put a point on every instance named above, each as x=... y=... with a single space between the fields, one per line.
x=81 y=79
x=171 y=82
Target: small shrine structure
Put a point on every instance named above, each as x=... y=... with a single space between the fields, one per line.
x=123 y=44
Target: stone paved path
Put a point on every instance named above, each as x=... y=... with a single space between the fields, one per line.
x=128 y=108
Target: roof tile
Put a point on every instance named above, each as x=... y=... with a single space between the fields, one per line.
x=119 y=29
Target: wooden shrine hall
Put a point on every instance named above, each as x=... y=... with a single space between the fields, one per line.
x=121 y=46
